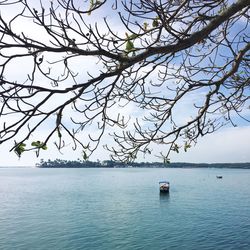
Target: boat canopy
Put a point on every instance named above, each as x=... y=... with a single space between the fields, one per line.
x=161 y=182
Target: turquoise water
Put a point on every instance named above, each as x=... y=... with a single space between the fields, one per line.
x=122 y=209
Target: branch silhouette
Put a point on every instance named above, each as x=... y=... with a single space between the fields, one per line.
x=74 y=72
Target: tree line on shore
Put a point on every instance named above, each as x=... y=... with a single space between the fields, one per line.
x=59 y=163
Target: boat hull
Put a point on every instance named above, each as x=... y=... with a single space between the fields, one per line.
x=164 y=189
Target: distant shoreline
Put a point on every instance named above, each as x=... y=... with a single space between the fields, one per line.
x=111 y=164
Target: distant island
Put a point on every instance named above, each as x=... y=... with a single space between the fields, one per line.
x=58 y=163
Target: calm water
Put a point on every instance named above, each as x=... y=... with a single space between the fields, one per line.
x=122 y=209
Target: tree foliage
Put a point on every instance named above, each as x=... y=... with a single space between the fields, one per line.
x=74 y=69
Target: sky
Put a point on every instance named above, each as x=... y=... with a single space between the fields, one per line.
x=229 y=144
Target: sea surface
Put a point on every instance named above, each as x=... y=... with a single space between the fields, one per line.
x=110 y=209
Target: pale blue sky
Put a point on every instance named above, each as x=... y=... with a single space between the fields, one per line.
x=226 y=145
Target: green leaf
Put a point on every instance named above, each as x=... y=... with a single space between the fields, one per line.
x=44 y=147
x=176 y=148
x=129 y=46
x=39 y=144
x=145 y=26
x=19 y=149
x=35 y=143
x=93 y=4
x=155 y=23
x=84 y=155
x=132 y=37
x=186 y=146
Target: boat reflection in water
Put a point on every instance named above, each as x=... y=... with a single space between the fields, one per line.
x=164 y=197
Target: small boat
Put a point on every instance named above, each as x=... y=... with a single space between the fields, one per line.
x=219 y=176
x=164 y=186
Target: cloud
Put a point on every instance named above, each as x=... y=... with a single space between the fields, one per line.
x=225 y=145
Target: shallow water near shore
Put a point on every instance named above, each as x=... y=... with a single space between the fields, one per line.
x=123 y=209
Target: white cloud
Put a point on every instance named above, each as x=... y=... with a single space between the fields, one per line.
x=225 y=145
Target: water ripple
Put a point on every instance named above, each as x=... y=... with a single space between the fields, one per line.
x=99 y=209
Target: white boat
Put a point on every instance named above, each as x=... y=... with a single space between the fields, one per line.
x=164 y=186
